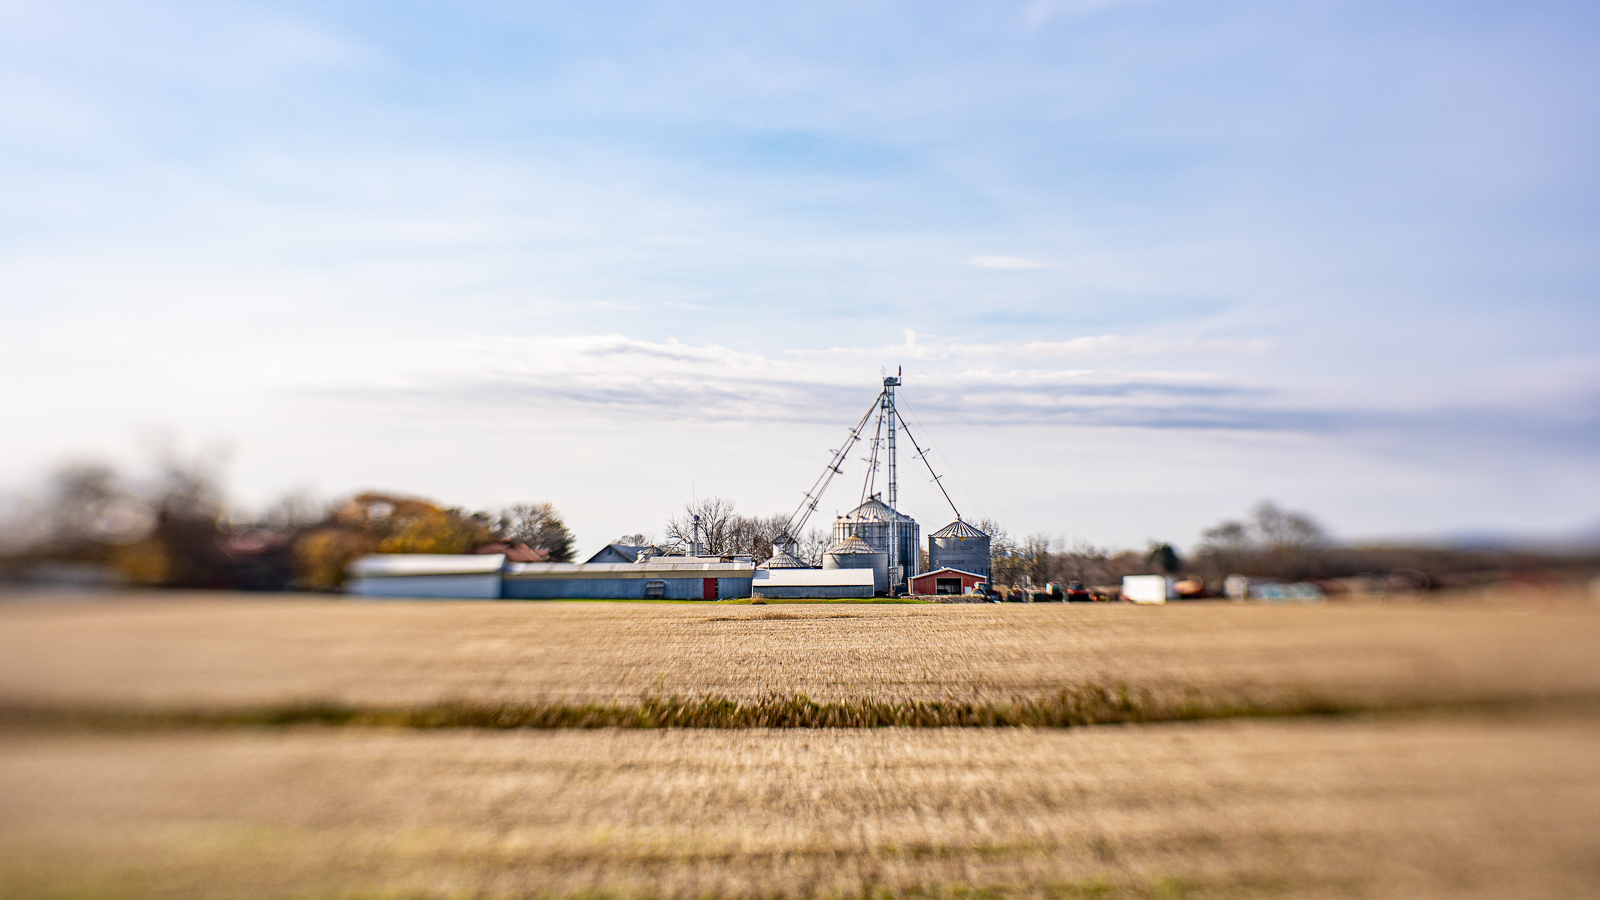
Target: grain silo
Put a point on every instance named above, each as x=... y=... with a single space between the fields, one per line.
x=891 y=533
x=959 y=546
x=854 y=553
x=783 y=556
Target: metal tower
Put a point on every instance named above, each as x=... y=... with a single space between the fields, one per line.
x=889 y=424
x=896 y=574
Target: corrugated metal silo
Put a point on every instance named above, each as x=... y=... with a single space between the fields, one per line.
x=855 y=553
x=891 y=533
x=959 y=546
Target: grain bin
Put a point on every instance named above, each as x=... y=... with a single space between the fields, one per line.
x=883 y=529
x=959 y=546
x=783 y=556
x=855 y=553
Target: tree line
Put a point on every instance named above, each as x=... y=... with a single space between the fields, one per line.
x=175 y=528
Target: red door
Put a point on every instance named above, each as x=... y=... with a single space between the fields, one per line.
x=708 y=589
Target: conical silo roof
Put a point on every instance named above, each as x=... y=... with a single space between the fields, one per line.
x=852 y=544
x=874 y=510
x=958 y=529
x=782 y=559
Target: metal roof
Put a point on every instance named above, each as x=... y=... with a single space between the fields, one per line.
x=783 y=560
x=628 y=552
x=958 y=529
x=949 y=569
x=660 y=567
x=379 y=564
x=851 y=544
x=813 y=577
x=874 y=510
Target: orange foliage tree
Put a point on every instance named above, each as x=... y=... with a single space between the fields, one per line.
x=383 y=523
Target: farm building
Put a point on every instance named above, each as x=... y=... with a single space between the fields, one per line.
x=947 y=581
x=616 y=553
x=787 y=583
x=473 y=576
x=516 y=551
x=491 y=577
x=659 y=578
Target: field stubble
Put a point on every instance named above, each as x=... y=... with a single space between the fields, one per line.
x=251 y=654
x=1421 y=805
x=1338 y=808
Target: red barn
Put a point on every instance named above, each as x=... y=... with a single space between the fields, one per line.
x=946 y=581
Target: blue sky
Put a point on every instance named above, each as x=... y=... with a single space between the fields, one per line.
x=1144 y=262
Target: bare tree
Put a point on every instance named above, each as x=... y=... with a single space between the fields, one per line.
x=1006 y=562
x=1084 y=563
x=1274 y=542
x=1281 y=529
x=715 y=516
x=538 y=525
x=724 y=532
x=1037 y=559
x=810 y=547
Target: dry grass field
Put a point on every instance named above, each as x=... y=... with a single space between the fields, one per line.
x=1446 y=808
x=1436 y=797
x=223 y=651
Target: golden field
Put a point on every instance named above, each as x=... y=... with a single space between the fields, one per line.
x=222 y=651
x=1483 y=779
x=1447 y=808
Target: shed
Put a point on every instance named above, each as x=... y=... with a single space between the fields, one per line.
x=471 y=576
x=812 y=584
x=947 y=581
x=658 y=578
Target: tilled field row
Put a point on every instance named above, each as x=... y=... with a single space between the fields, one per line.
x=1461 y=807
x=1072 y=708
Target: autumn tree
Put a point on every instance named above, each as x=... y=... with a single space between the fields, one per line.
x=384 y=523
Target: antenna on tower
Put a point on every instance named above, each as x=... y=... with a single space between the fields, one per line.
x=890 y=418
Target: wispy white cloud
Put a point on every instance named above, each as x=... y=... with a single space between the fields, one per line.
x=604 y=377
x=1104 y=346
x=610 y=375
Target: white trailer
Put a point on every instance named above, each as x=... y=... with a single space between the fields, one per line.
x=1149 y=588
